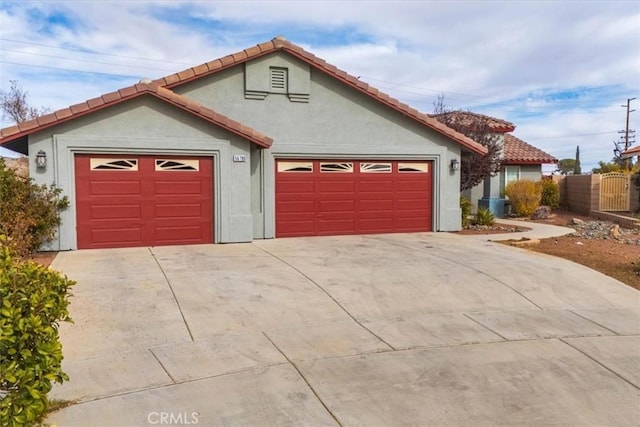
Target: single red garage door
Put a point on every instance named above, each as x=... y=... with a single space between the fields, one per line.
x=329 y=197
x=125 y=200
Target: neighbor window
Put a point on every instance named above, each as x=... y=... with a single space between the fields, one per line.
x=511 y=174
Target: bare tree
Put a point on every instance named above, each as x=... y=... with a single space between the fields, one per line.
x=473 y=168
x=15 y=105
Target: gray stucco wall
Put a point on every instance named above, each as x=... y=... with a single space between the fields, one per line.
x=336 y=122
x=148 y=126
x=319 y=117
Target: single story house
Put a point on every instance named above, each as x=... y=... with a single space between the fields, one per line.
x=631 y=152
x=520 y=160
x=268 y=142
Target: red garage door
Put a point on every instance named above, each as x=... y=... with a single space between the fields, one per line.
x=328 y=197
x=124 y=200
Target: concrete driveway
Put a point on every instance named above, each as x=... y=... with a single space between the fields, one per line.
x=403 y=329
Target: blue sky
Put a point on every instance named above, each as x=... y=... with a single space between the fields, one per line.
x=559 y=70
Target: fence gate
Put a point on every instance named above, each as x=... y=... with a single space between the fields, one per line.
x=614 y=192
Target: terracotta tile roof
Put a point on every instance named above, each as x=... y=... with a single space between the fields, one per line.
x=192 y=107
x=468 y=118
x=518 y=152
x=630 y=152
x=279 y=43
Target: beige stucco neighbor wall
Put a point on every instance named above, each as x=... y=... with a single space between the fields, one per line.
x=579 y=193
x=635 y=197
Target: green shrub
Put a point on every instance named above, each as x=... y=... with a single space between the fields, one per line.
x=550 y=194
x=525 y=196
x=29 y=213
x=34 y=299
x=485 y=217
x=465 y=206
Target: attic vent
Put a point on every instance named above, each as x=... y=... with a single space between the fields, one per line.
x=278 y=78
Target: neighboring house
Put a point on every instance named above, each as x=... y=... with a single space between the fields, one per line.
x=631 y=152
x=268 y=142
x=520 y=160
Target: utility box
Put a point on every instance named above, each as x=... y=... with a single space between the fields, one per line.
x=494 y=204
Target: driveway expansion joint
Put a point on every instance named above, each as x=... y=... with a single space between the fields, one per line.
x=599 y=363
x=306 y=381
x=485 y=326
x=478 y=271
x=173 y=293
x=594 y=322
x=335 y=301
x=162 y=366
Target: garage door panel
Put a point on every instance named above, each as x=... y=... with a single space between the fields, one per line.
x=336 y=206
x=410 y=224
x=296 y=207
x=185 y=210
x=411 y=186
x=145 y=205
x=335 y=196
x=177 y=188
x=121 y=236
x=412 y=204
x=296 y=187
x=186 y=234
x=378 y=196
x=336 y=186
x=375 y=205
x=111 y=212
x=335 y=226
x=372 y=225
x=297 y=227
x=365 y=197
x=387 y=214
x=115 y=188
x=376 y=186
x=413 y=213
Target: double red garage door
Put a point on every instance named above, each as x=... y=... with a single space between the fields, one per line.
x=143 y=200
x=329 y=197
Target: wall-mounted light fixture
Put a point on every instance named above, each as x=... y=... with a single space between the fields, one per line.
x=455 y=164
x=41 y=160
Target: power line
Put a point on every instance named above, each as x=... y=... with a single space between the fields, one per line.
x=94 y=52
x=572 y=135
x=393 y=85
x=84 y=60
x=71 y=71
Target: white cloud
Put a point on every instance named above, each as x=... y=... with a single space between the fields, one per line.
x=555 y=68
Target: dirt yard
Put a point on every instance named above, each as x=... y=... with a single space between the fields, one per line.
x=592 y=245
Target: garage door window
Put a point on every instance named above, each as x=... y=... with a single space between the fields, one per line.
x=413 y=167
x=295 y=166
x=375 y=167
x=336 y=167
x=98 y=164
x=177 y=165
